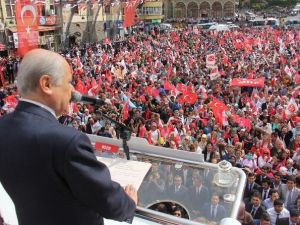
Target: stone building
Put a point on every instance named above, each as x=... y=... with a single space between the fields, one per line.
x=199 y=9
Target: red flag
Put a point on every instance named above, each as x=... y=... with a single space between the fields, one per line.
x=2 y=77
x=297 y=78
x=129 y=14
x=190 y=98
x=148 y=90
x=108 y=76
x=168 y=85
x=125 y=112
x=241 y=121
x=218 y=107
x=106 y=41
x=10 y=102
x=26 y=18
x=80 y=87
x=283 y=60
x=181 y=87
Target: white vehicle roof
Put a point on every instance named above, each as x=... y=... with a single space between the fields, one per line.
x=219 y=27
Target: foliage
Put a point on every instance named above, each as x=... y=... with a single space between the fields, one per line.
x=282 y=3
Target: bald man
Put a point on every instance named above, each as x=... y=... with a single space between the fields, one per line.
x=49 y=170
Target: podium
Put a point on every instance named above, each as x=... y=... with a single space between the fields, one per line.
x=168 y=166
x=228 y=184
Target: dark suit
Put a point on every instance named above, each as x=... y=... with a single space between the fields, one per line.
x=207 y=212
x=196 y=200
x=52 y=174
x=248 y=193
x=179 y=195
x=258 y=212
x=285 y=221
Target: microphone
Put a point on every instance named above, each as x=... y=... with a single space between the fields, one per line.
x=77 y=97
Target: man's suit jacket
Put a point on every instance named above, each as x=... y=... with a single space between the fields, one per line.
x=179 y=195
x=52 y=175
x=206 y=212
x=196 y=200
x=295 y=195
x=279 y=189
x=248 y=193
x=258 y=212
x=285 y=221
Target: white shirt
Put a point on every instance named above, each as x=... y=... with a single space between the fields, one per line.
x=273 y=214
x=39 y=104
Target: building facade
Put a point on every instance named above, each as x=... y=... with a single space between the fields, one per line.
x=199 y=9
x=151 y=12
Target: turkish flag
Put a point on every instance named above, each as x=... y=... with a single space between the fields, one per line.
x=80 y=87
x=129 y=14
x=27 y=27
x=125 y=112
x=218 y=107
x=241 y=121
x=190 y=98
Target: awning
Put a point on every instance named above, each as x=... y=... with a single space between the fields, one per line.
x=40 y=28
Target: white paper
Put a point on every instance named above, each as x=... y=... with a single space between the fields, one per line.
x=126 y=171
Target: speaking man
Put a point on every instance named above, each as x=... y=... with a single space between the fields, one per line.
x=49 y=170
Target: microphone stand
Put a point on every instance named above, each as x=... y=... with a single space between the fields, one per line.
x=124 y=132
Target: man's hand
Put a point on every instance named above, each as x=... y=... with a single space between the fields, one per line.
x=130 y=190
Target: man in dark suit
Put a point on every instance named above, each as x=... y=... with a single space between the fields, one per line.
x=177 y=191
x=254 y=207
x=198 y=194
x=50 y=170
x=251 y=187
x=264 y=220
x=213 y=211
x=294 y=218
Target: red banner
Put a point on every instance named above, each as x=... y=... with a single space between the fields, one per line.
x=26 y=18
x=244 y=82
x=129 y=14
x=106 y=147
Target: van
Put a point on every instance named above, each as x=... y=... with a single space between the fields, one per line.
x=250 y=16
x=165 y=26
x=205 y=26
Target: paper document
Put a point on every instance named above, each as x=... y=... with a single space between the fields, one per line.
x=126 y=171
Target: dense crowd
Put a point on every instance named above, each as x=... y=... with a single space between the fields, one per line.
x=178 y=89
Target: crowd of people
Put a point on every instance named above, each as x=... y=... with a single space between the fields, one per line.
x=198 y=91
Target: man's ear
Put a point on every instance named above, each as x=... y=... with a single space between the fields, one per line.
x=45 y=84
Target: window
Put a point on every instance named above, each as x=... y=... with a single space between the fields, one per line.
x=10 y=8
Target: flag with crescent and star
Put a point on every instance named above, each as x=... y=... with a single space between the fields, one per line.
x=27 y=28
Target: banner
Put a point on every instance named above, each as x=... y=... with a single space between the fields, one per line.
x=129 y=13
x=244 y=82
x=210 y=60
x=27 y=28
x=291 y=108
